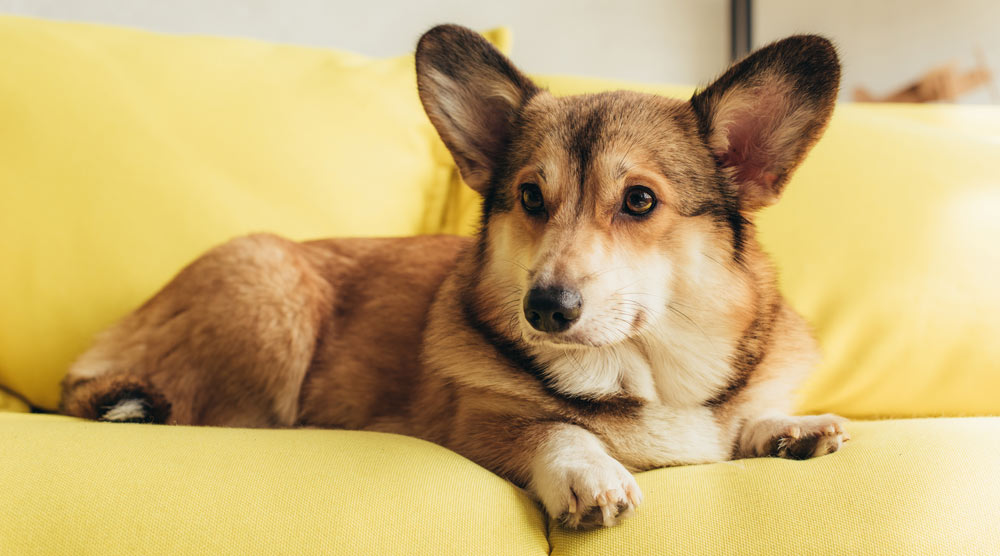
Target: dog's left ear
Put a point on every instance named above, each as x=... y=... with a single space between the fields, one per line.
x=472 y=94
x=765 y=113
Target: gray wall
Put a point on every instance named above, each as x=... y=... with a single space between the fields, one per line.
x=669 y=41
x=884 y=43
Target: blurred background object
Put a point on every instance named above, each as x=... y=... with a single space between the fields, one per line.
x=887 y=46
x=945 y=83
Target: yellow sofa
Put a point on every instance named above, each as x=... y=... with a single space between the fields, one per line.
x=125 y=154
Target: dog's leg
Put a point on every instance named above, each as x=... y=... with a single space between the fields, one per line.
x=578 y=482
x=227 y=342
x=564 y=466
x=792 y=437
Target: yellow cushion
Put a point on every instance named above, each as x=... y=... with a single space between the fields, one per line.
x=563 y=85
x=910 y=486
x=923 y=486
x=77 y=487
x=887 y=241
x=128 y=153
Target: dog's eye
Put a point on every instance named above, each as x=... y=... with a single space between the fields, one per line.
x=638 y=201
x=531 y=198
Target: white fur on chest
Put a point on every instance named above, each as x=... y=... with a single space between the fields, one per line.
x=689 y=365
x=675 y=427
x=677 y=364
x=599 y=372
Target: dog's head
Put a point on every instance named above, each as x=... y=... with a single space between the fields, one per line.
x=598 y=210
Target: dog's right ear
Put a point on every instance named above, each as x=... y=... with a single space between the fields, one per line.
x=472 y=94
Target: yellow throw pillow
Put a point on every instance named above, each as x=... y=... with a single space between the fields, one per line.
x=127 y=153
x=564 y=85
x=888 y=239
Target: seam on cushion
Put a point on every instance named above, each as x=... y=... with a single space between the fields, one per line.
x=6 y=392
x=548 y=531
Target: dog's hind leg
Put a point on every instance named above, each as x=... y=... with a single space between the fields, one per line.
x=227 y=342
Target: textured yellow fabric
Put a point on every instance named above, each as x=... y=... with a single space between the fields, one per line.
x=81 y=488
x=922 y=486
x=128 y=153
x=888 y=240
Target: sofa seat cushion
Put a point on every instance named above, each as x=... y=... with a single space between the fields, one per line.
x=917 y=486
x=78 y=487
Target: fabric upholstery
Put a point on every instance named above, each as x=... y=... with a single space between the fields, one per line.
x=128 y=153
x=886 y=239
x=80 y=488
x=923 y=486
x=11 y=403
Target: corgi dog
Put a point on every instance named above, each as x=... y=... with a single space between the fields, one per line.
x=614 y=314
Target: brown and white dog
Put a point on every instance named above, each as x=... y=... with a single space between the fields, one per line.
x=614 y=314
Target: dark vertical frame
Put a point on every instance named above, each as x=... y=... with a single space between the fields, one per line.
x=740 y=28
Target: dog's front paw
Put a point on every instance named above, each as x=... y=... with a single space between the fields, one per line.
x=589 y=494
x=799 y=437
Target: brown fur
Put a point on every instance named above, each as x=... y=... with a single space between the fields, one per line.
x=685 y=351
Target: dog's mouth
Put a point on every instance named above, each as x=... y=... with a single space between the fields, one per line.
x=563 y=339
x=594 y=332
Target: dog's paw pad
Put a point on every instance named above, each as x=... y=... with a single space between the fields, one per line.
x=600 y=498
x=606 y=513
x=809 y=437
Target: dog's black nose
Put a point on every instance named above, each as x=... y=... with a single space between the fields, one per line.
x=552 y=309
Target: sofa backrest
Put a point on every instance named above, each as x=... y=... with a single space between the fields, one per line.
x=127 y=153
